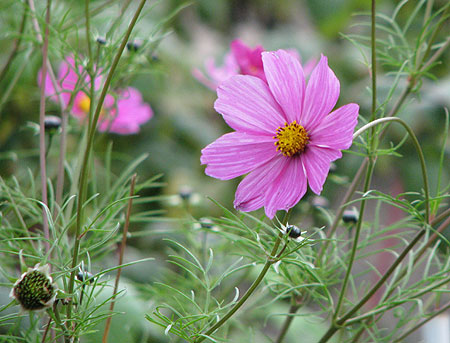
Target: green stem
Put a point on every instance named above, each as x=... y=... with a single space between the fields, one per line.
x=121 y=252
x=91 y=134
x=269 y=261
x=42 y=153
x=17 y=43
x=343 y=291
x=443 y=308
x=374 y=65
x=289 y=318
x=341 y=321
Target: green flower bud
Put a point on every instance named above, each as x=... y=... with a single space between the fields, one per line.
x=35 y=289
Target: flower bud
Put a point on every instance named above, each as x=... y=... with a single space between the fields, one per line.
x=350 y=216
x=85 y=276
x=35 y=289
x=320 y=201
x=101 y=41
x=293 y=231
x=185 y=193
x=52 y=123
x=134 y=45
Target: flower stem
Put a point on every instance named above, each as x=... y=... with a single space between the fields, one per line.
x=338 y=323
x=343 y=291
x=289 y=318
x=17 y=43
x=86 y=156
x=42 y=129
x=374 y=65
x=443 y=308
x=121 y=252
x=269 y=261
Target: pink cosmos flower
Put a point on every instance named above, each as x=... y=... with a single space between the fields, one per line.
x=123 y=114
x=285 y=136
x=240 y=60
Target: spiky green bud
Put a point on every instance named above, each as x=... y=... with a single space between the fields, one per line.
x=35 y=289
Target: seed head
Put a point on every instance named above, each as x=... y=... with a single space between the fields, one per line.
x=35 y=289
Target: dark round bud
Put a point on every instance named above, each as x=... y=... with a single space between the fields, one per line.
x=185 y=192
x=350 y=216
x=155 y=58
x=34 y=291
x=293 y=231
x=134 y=45
x=52 y=123
x=320 y=201
x=101 y=41
x=85 y=276
x=206 y=223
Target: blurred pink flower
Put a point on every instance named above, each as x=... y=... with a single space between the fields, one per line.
x=240 y=60
x=285 y=136
x=122 y=115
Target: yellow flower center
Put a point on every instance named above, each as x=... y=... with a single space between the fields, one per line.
x=292 y=139
x=85 y=103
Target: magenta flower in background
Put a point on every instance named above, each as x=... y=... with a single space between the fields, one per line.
x=249 y=60
x=285 y=136
x=240 y=60
x=122 y=115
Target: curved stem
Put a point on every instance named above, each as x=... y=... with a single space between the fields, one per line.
x=341 y=321
x=269 y=261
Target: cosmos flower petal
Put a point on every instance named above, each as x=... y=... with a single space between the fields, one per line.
x=286 y=81
x=287 y=190
x=336 y=130
x=247 y=105
x=251 y=192
x=322 y=93
x=317 y=163
x=237 y=153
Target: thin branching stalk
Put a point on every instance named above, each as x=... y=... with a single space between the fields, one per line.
x=418 y=150
x=339 y=322
x=351 y=260
x=47 y=329
x=374 y=65
x=289 y=318
x=17 y=74
x=434 y=35
x=436 y=55
x=42 y=129
x=86 y=156
x=442 y=309
x=350 y=191
x=16 y=43
x=64 y=111
x=382 y=309
x=269 y=261
x=119 y=18
x=121 y=252
x=419 y=254
x=95 y=11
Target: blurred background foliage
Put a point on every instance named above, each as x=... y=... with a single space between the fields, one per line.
x=184 y=118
